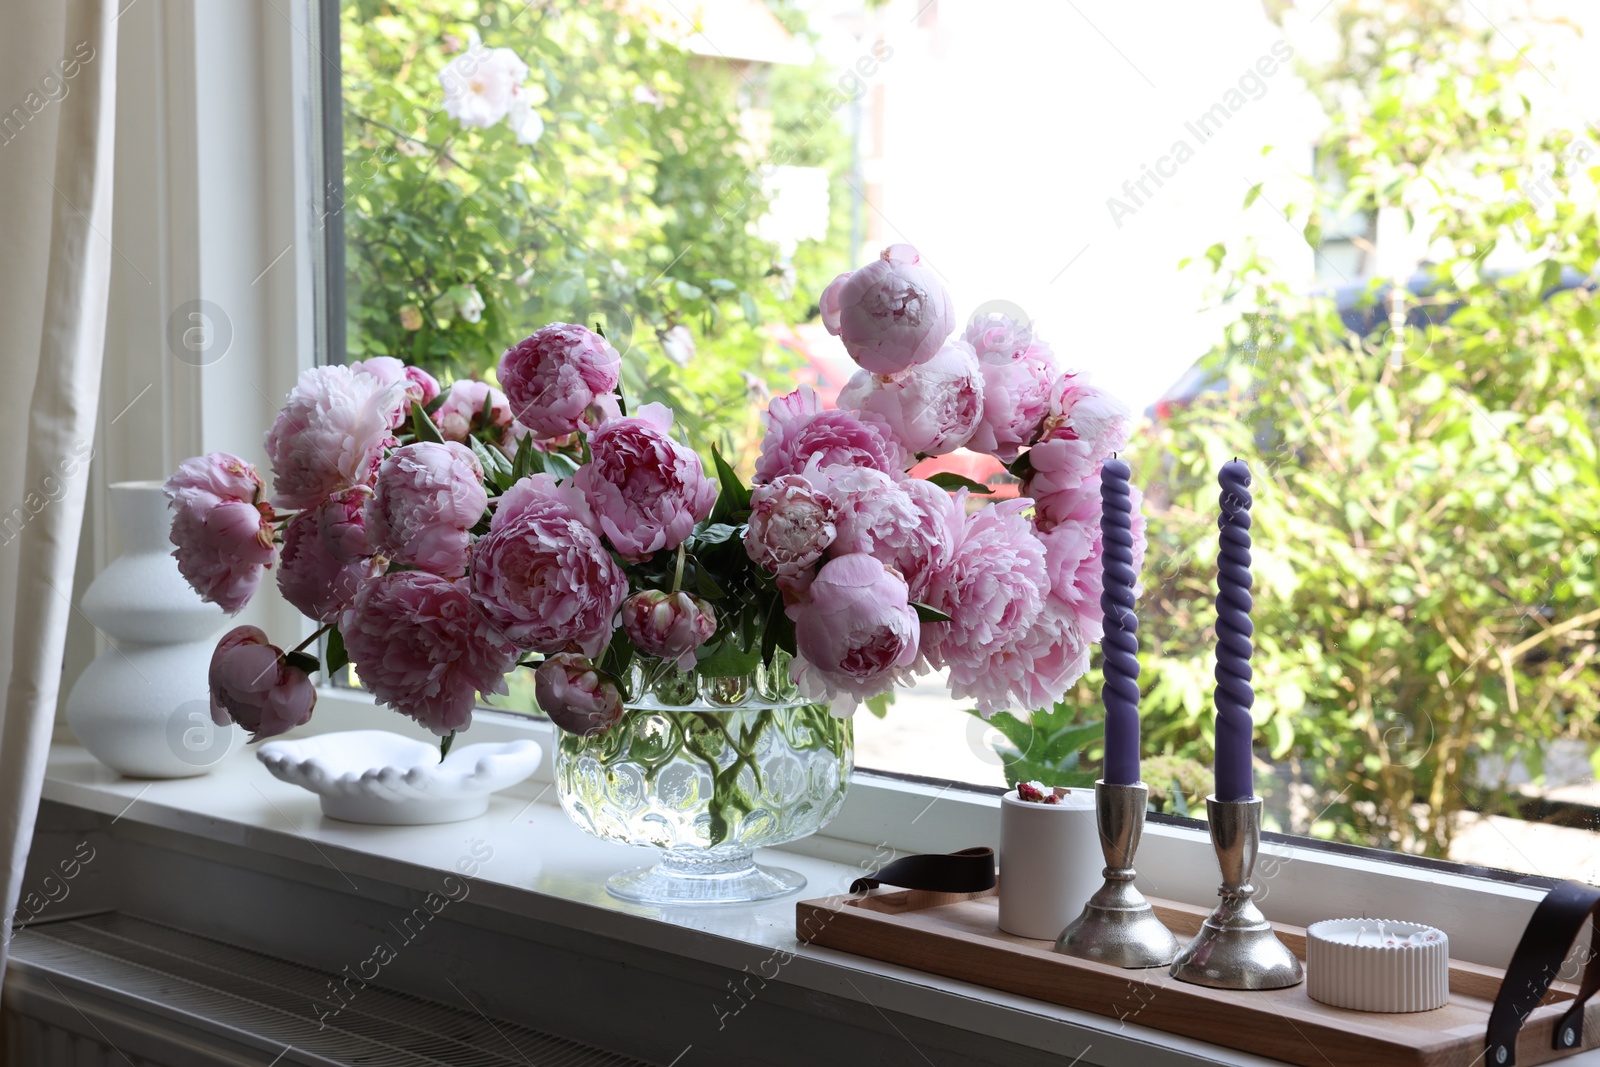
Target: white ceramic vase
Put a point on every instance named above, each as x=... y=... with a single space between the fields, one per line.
x=1050 y=862
x=143 y=706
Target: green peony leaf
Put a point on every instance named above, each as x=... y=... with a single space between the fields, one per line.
x=951 y=481
x=337 y=657
x=423 y=426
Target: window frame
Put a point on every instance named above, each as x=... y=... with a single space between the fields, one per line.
x=280 y=61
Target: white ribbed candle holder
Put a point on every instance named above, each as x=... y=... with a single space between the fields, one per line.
x=1377 y=965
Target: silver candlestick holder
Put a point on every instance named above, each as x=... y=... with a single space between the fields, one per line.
x=1236 y=948
x=1118 y=926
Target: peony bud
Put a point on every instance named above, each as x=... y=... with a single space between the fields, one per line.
x=255 y=685
x=461 y=413
x=578 y=698
x=668 y=625
x=855 y=632
x=555 y=374
x=892 y=314
x=647 y=490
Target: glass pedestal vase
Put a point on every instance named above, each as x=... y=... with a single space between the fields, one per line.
x=707 y=770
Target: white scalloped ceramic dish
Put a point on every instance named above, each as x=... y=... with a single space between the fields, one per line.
x=373 y=776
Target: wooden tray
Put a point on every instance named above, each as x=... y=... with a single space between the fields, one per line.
x=958 y=936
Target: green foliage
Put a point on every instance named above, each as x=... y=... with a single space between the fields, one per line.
x=1428 y=499
x=634 y=212
x=1178 y=785
x=1047 y=747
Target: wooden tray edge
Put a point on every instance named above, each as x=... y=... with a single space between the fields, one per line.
x=870 y=930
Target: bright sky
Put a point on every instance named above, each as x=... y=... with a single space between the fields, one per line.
x=1009 y=125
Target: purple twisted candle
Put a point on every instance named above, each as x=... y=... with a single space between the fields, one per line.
x=1120 y=693
x=1235 y=776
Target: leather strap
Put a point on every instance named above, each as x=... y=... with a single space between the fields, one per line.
x=1536 y=963
x=969 y=871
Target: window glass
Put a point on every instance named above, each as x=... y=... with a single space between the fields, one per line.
x=1353 y=242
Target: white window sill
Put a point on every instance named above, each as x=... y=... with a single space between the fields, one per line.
x=546 y=869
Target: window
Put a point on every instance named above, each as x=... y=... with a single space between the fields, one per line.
x=1354 y=245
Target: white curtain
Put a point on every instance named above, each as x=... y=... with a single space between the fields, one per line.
x=58 y=80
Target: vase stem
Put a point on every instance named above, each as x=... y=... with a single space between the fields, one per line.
x=686 y=863
x=690 y=876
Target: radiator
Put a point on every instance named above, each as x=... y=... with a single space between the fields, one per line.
x=113 y=991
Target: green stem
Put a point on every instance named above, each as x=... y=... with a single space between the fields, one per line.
x=677 y=575
x=742 y=751
x=302 y=645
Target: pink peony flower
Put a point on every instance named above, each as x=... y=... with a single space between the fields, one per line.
x=933 y=408
x=330 y=434
x=669 y=626
x=1033 y=671
x=1084 y=429
x=427 y=498
x=647 y=490
x=1052 y=505
x=420 y=386
x=799 y=430
x=1088 y=427
x=904 y=525
x=576 y=697
x=1093 y=414
x=252 y=684
x=1016 y=400
x=999 y=338
x=1072 y=558
x=422 y=647
x=311 y=578
x=341 y=519
x=554 y=377
x=221 y=528
x=542 y=495
x=1072 y=564
x=892 y=314
x=461 y=414
x=217 y=475
x=993 y=590
x=855 y=632
x=541 y=573
x=828 y=304
x=791 y=524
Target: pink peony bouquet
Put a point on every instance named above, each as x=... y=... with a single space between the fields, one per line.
x=443 y=537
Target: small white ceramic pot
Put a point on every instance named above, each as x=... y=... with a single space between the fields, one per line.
x=1050 y=862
